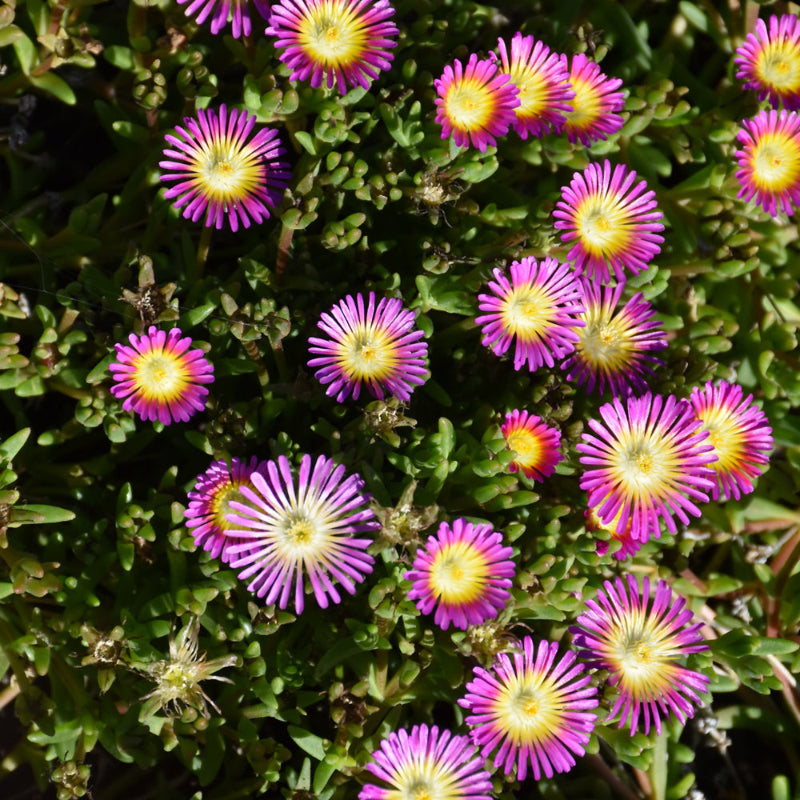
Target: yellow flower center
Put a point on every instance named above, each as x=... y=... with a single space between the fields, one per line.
x=331 y=34
x=532 y=91
x=221 y=504
x=603 y=225
x=645 y=657
x=725 y=438
x=776 y=162
x=161 y=375
x=528 y=312
x=469 y=105
x=778 y=66
x=585 y=104
x=228 y=173
x=368 y=353
x=459 y=573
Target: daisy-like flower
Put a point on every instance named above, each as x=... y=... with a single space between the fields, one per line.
x=595 y=104
x=769 y=161
x=463 y=571
x=372 y=346
x=536 y=708
x=769 y=61
x=543 y=83
x=222 y=173
x=293 y=528
x=209 y=504
x=738 y=431
x=629 y=545
x=343 y=41
x=535 y=446
x=539 y=307
x=639 y=637
x=612 y=220
x=475 y=104
x=222 y=11
x=646 y=460
x=159 y=378
x=615 y=348
x=427 y=764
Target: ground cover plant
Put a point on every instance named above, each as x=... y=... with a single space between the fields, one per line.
x=399 y=399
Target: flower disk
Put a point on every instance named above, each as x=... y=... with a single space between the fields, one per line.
x=159 y=377
x=769 y=61
x=647 y=459
x=615 y=349
x=346 y=41
x=739 y=433
x=465 y=572
x=290 y=529
x=475 y=105
x=769 y=161
x=377 y=347
x=220 y=11
x=537 y=709
x=535 y=446
x=611 y=221
x=220 y=173
x=638 y=639
x=540 y=307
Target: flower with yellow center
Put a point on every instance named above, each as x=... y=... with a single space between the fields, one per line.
x=535 y=446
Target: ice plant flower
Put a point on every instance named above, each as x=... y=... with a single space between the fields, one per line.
x=535 y=446
x=769 y=61
x=543 y=83
x=475 y=104
x=628 y=545
x=209 y=503
x=293 y=528
x=769 y=161
x=595 y=104
x=648 y=459
x=159 y=378
x=738 y=431
x=464 y=572
x=427 y=764
x=220 y=172
x=346 y=42
x=611 y=220
x=221 y=11
x=539 y=307
x=638 y=636
x=372 y=346
x=615 y=348
x=537 y=708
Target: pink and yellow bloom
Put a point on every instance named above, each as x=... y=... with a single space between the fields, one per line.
x=769 y=161
x=628 y=545
x=537 y=708
x=464 y=572
x=543 y=83
x=595 y=104
x=222 y=11
x=370 y=346
x=648 y=459
x=475 y=104
x=298 y=527
x=427 y=764
x=539 y=307
x=639 y=637
x=535 y=446
x=159 y=378
x=611 y=220
x=615 y=347
x=219 y=172
x=769 y=61
x=738 y=431
x=325 y=41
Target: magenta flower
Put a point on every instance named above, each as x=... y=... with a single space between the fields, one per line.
x=615 y=349
x=293 y=528
x=535 y=446
x=739 y=433
x=221 y=11
x=595 y=104
x=463 y=571
x=427 y=764
x=628 y=545
x=539 y=307
x=475 y=104
x=538 y=710
x=376 y=347
x=209 y=503
x=219 y=173
x=639 y=638
x=159 y=378
x=611 y=221
x=543 y=83
x=648 y=459
x=769 y=61
x=343 y=41
x=769 y=161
